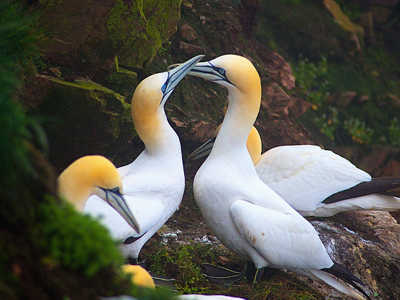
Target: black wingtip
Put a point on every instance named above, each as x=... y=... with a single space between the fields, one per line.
x=342 y=273
x=382 y=185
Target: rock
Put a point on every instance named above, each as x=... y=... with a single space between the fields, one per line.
x=190 y=49
x=355 y=240
x=90 y=114
x=86 y=34
x=187 y=32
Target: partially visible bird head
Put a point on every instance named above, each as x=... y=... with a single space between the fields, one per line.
x=94 y=175
x=231 y=71
x=140 y=276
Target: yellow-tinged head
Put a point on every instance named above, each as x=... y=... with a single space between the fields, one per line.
x=254 y=145
x=94 y=175
x=149 y=98
x=140 y=276
x=237 y=74
x=85 y=176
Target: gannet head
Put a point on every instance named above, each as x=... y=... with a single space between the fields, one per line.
x=140 y=276
x=149 y=99
x=94 y=175
x=241 y=78
x=254 y=146
x=234 y=72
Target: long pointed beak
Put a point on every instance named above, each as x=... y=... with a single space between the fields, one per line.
x=207 y=71
x=203 y=150
x=118 y=202
x=176 y=74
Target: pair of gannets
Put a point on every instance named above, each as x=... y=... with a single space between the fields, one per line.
x=152 y=184
x=316 y=182
x=142 y=278
x=244 y=213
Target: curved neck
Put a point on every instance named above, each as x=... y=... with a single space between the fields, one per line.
x=157 y=134
x=239 y=119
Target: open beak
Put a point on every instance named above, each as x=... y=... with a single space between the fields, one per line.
x=203 y=150
x=118 y=202
x=176 y=74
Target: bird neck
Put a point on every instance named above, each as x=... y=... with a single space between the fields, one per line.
x=157 y=134
x=254 y=145
x=74 y=191
x=239 y=119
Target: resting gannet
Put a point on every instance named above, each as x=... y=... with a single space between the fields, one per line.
x=317 y=182
x=142 y=278
x=154 y=182
x=95 y=175
x=244 y=213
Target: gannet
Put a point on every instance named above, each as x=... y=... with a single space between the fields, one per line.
x=139 y=275
x=94 y=175
x=142 y=278
x=154 y=182
x=317 y=182
x=244 y=213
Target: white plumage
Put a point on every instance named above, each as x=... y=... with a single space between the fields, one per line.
x=154 y=183
x=244 y=213
x=305 y=175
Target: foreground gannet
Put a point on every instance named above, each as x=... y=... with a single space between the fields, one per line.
x=154 y=182
x=314 y=181
x=244 y=213
x=94 y=175
x=142 y=278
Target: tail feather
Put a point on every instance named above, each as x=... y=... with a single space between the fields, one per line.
x=339 y=272
x=384 y=185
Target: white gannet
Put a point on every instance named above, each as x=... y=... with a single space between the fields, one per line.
x=317 y=182
x=94 y=175
x=154 y=182
x=142 y=278
x=244 y=213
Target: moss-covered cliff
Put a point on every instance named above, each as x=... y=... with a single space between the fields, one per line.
x=322 y=83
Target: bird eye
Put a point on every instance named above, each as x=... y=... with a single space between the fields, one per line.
x=116 y=190
x=221 y=71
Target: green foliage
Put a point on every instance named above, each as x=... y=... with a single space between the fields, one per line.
x=359 y=131
x=75 y=241
x=350 y=120
x=328 y=122
x=142 y=27
x=16 y=48
x=184 y=261
x=312 y=79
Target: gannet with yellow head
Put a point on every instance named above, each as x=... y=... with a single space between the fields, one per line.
x=142 y=278
x=94 y=175
x=154 y=182
x=317 y=182
x=244 y=213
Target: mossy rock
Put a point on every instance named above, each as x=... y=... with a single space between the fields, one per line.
x=287 y=27
x=139 y=28
x=84 y=117
x=86 y=35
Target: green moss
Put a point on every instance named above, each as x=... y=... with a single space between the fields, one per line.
x=184 y=261
x=139 y=29
x=75 y=241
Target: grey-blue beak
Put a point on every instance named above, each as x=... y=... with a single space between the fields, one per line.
x=176 y=74
x=117 y=201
